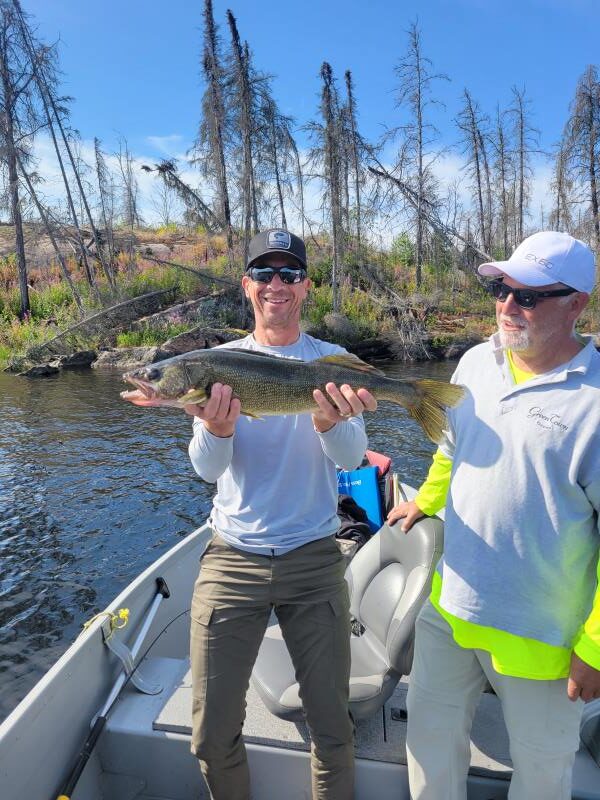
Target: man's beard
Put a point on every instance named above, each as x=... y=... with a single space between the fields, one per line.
x=517 y=340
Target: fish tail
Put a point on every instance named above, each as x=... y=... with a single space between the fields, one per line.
x=428 y=403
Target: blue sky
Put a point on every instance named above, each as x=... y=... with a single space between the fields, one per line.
x=133 y=67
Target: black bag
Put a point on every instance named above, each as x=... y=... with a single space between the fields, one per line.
x=353 y=521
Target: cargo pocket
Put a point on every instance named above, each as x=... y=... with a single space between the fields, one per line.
x=339 y=606
x=201 y=613
x=329 y=613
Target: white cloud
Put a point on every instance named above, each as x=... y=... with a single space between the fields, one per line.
x=170 y=146
x=449 y=168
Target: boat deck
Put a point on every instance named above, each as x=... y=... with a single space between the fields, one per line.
x=380 y=738
x=154 y=731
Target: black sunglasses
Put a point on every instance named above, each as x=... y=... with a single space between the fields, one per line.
x=526 y=298
x=286 y=274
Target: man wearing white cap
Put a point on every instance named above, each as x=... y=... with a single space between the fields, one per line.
x=515 y=602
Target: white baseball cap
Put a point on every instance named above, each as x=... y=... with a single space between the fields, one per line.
x=548 y=257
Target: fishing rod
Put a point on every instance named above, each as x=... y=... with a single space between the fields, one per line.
x=162 y=593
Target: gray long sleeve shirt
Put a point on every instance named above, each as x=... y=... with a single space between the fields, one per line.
x=276 y=477
x=521 y=533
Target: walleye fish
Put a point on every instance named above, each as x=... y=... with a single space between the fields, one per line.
x=267 y=385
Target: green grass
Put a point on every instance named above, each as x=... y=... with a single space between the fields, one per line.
x=148 y=337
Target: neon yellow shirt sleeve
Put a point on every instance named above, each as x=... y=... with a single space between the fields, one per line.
x=431 y=497
x=587 y=644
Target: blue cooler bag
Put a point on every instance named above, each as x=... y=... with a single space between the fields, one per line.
x=362 y=485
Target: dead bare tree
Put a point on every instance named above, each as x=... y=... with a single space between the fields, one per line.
x=129 y=198
x=561 y=218
x=210 y=145
x=243 y=101
x=279 y=156
x=106 y=192
x=329 y=153
x=19 y=120
x=43 y=69
x=129 y=186
x=502 y=172
x=164 y=201
x=299 y=176
x=583 y=138
x=50 y=230
x=470 y=122
x=355 y=158
x=525 y=139
x=416 y=79
x=445 y=230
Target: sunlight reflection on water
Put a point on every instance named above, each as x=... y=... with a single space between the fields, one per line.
x=93 y=490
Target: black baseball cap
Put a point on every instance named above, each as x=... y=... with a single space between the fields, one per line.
x=276 y=240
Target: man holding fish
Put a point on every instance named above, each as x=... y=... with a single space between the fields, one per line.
x=274 y=413
x=515 y=602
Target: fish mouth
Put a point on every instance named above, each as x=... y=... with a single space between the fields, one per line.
x=144 y=389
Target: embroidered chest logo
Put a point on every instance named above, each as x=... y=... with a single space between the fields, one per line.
x=546 y=419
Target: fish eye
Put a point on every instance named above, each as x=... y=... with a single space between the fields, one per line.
x=153 y=374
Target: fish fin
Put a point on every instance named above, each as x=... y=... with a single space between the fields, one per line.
x=250 y=414
x=197 y=396
x=245 y=352
x=433 y=398
x=350 y=361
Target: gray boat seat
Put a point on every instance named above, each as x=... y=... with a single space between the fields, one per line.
x=389 y=580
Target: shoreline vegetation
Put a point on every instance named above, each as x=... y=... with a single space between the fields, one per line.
x=81 y=274
x=174 y=290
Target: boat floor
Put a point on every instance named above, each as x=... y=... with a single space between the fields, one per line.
x=145 y=751
x=380 y=738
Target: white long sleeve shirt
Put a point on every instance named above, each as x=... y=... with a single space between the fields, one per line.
x=276 y=477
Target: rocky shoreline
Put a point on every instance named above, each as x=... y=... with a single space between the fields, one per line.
x=377 y=349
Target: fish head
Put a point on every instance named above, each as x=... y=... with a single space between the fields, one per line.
x=167 y=383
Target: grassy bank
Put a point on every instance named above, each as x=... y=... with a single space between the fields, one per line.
x=449 y=304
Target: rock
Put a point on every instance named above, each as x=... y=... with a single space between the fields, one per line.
x=154 y=249
x=199 y=338
x=374 y=349
x=40 y=371
x=126 y=358
x=459 y=346
x=210 y=310
x=82 y=358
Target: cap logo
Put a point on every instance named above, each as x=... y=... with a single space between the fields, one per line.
x=543 y=262
x=280 y=240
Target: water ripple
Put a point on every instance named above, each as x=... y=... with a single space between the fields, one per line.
x=92 y=490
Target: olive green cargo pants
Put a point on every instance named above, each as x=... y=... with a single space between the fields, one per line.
x=233 y=599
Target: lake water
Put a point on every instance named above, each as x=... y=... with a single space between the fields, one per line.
x=93 y=490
